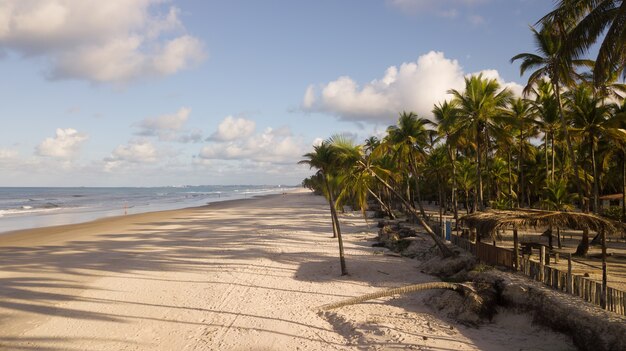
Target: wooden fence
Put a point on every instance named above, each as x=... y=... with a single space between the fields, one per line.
x=489 y=254
x=585 y=288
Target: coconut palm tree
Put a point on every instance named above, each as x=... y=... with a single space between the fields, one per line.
x=324 y=159
x=466 y=180
x=362 y=164
x=590 y=122
x=408 y=141
x=593 y=19
x=479 y=105
x=446 y=114
x=521 y=116
x=553 y=61
x=545 y=107
x=556 y=198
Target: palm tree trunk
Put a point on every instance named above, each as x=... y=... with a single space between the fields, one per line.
x=553 y=158
x=489 y=184
x=333 y=212
x=441 y=197
x=520 y=168
x=466 y=290
x=455 y=204
x=510 y=178
x=545 y=154
x=596 y=188
x=382 y=204
x=445 y=251
x=330 y=205
x=623 y=185
x=570 y=148
x=418 y=194
x=479 y=176
x=583 y=246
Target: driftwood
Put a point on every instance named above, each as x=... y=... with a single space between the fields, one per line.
x=461 y=288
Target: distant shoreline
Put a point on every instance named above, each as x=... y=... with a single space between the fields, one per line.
x=57 y=219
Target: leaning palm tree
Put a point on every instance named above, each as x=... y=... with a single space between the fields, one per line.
x=479 y=104
x=553 y=61
x=324 y=159
x=593 y=19
x=361 y=163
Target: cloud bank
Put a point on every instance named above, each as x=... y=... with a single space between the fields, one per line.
x=236 y=139
x=413 y=86
x=99 y=41
x=170 y=127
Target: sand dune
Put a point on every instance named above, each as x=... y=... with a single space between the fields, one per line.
x=239 y=275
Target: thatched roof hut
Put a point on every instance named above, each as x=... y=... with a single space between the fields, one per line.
x=490 y=222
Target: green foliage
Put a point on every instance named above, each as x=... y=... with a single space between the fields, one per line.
x=613 y=212
x=557 y=197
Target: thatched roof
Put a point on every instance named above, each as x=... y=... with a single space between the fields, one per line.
x=489 y=222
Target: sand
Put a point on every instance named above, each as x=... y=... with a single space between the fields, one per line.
x=238 y=275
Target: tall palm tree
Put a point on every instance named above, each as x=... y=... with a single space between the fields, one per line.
x=590 y=122
x=408 y=141
x=446 y=114
x=546 y=109
x=521 y=115
x=553 y=61
x=466 y=179
x=479 y=105
x=594 y=18
x=324 y=159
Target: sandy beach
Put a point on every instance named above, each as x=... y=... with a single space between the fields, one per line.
x=238 y=275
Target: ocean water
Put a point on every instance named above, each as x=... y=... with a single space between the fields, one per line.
x=23 y=208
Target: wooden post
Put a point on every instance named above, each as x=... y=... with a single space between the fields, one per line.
x=603 y=293
x=556 y=257
x=515 y=250
x=570 y=278
x=542 y=262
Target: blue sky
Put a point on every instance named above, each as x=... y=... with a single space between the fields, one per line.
x=156 y=92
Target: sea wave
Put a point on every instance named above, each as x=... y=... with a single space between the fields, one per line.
x=27 y=210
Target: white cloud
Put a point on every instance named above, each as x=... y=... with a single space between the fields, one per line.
x=512 y=86
x=414 y=86
x=232 y=128
x=274 y=146
x=99 y=41
x=135 y=152
x=169 y=127
x=64 y=144
x=7 y=154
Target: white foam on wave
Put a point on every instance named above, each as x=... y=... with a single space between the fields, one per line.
x=27 y=210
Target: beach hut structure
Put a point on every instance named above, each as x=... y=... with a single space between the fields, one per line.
x=488 y=224
x=612 y=200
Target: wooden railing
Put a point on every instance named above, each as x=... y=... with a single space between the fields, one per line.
x=489 y=254
x=583 y=287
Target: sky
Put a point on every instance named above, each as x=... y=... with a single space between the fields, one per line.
x=200 y=92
